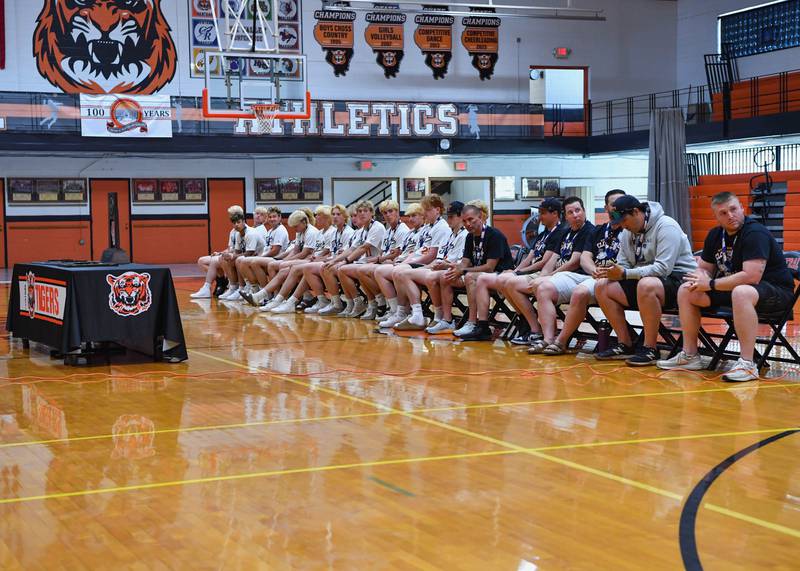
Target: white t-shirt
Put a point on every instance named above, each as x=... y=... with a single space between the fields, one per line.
x=307 y=239
x=325 y=239
x=394 y=238
x=453 y=250
x=438 y=235
x=233 y=240
x=341 y=240
x=374 y=236
x=253 y=240
x=278 y=236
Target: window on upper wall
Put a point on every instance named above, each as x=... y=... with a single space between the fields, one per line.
x=759 y=30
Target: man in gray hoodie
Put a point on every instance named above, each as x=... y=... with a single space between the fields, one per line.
x=654 y=256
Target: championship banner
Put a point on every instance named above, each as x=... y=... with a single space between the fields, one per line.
x=434 y=36
x=384 y=34
x=481 y=38
x=334 y=33
x=142 y=116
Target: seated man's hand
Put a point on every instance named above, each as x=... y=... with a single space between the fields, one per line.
x=698 y=281
x=452 y=275
x=612 y=272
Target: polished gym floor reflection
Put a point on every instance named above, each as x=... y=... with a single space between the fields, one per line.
x=300 y=442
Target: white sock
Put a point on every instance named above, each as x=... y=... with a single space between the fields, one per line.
x=403 y=310
x=336 y=299
x=278 y=298
x=437 y=313
x=206 y=286
x=235 y=287
x=372 y=303
x=322 y=298
x=416 y=310
x=380 y=299
x=292 y=299
x=392 y=304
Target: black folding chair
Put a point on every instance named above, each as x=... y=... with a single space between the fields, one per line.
x=776 y=322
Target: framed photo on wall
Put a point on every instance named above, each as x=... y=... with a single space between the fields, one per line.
x=266 y=189
x=413 y=189
x=169 y=190
x=145 y=190
x=551 y=187
x=289 y=188
x=312 y=190
x=505 y=188
x=193 y=190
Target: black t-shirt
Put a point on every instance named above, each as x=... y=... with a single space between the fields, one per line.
x=574 y=241
x=492 y=246
x=605 y=245
x=752 y=242
x=547 y=241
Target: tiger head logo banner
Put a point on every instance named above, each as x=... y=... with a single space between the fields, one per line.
x=334 y=33
x=434 y=36
x=384 y=34
x=481 y=38
x=104 y=46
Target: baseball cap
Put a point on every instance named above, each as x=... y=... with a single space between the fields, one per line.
x=455 y=208
x=551 y=204
x=624 y=205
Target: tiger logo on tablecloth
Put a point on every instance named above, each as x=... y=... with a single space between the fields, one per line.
x=130 y=293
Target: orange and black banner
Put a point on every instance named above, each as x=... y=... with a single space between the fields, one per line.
x=434 y=36
x=384 y=34
x=334 y=33
x=481 y=38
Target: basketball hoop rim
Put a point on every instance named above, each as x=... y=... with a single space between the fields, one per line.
x=239 y=114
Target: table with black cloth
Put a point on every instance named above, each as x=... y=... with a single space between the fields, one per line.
x=69 y=306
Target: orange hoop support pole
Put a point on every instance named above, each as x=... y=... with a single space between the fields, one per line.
x=239 y=114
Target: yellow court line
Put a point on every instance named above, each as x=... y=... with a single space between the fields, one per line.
x=233 y=477
x=509 y=445
x=744 y=517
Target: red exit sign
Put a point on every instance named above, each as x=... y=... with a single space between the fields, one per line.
x=460 y=165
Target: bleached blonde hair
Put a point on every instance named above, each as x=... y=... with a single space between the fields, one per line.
x=297 y=217
x=388 y=204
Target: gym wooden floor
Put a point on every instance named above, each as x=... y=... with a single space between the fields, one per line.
x=296 y=442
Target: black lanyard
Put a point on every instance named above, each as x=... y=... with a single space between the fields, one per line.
x=608 y=248
x=541 y=244
x=725 y=260
x=338 y=239
x=567 y=245
x=387 y=241
x=639 y=238
x=409 y=239
x=477 y=248
x=450 y=243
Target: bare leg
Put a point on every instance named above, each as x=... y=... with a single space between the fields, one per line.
x=650 y=298
x=613 y=302
x=744 y=299
x=517 y=293
x=689 y=304
x=578 y=304
x=547 y=297
x=346 y=279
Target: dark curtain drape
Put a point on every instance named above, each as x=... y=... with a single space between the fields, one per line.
x=667 y=182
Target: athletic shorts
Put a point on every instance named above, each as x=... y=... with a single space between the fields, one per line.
x=671 y=284
x=772 y=299
x=566 y=282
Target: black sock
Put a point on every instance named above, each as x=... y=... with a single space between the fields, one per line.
x=483 y=325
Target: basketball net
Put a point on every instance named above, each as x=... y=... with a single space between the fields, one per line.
x=265 y=114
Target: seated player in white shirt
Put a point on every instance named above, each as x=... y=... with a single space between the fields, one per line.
x=249 y=243
x=391 y=245
x=276 y=239
x=312 y=271
x=212 y=264
x=244 y=263
x=414 y=240
x=301 y=221
x=434 y=236
x=447 y=257
x=294 y=286
x=365 y=241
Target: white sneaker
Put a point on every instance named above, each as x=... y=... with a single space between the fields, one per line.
x=285 y=307
x=469 y=327
x=203 y=293
x=741 y=372
x=370 y=314
x=270 y=305
x=230 y=294
x=441 y=326
x=411 y=324
x=331 y=309
x=317 y=307
x=392 y=319
x=682 y=361
x=359 y=307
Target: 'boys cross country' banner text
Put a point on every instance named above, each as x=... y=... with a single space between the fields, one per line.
x=126 y=116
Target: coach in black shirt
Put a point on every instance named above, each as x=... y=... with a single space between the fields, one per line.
x=486 y=254
x=741 y=267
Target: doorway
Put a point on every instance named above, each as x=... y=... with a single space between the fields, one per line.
x=563 y=91
x=465 y=189
x=100 y=190
x=349 y=191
